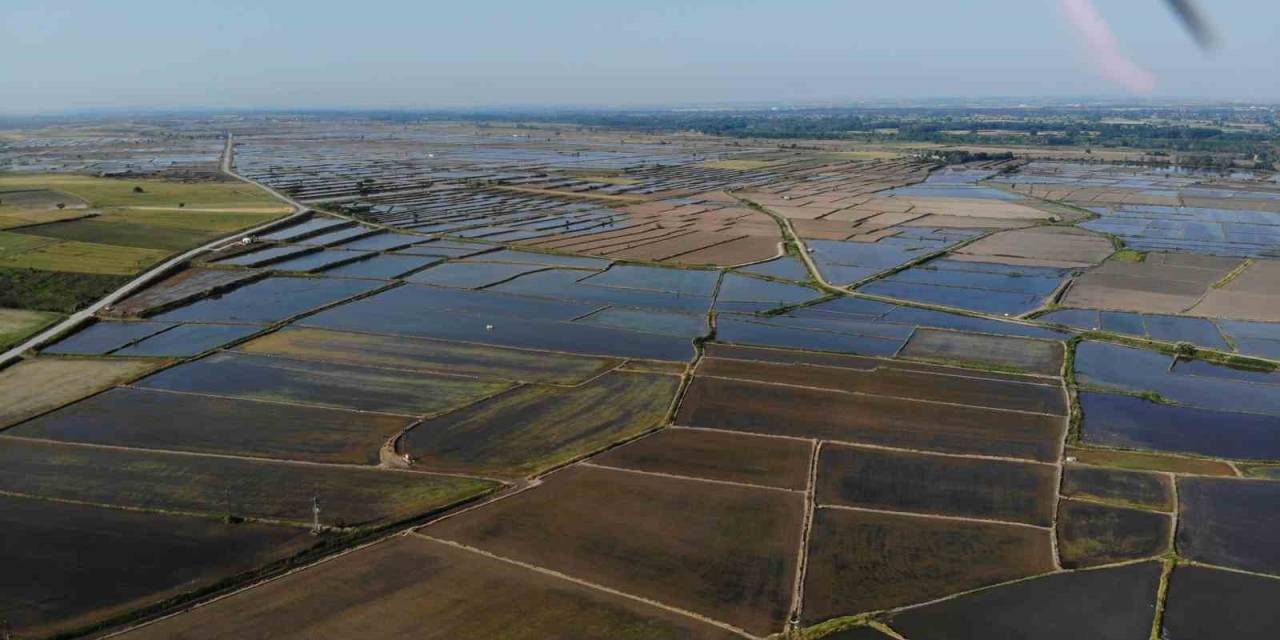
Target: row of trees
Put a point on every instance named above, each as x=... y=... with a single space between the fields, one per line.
x=1145 y=128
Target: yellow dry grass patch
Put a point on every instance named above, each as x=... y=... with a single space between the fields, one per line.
x=229 y=210
x=82 y=257
x=23 y=206
x=209 y=220
x=865 y=154
x=570 y=194
x=34 y=386
x=738 y=165
x=16 y=324
x=112 y=192
x=611 y=180
x=13 y=217
x=14 y=244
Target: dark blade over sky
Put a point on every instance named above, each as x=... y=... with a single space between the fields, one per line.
x=1193 y=19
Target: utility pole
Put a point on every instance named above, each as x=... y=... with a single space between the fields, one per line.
x=315 y=515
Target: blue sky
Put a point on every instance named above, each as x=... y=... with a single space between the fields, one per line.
x=61 y=55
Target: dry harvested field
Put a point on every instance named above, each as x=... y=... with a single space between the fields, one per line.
x=1019 y=354
x=165 y=481
x=1063 y=247
x=891 y=378
x=1248 y=294
x=535 y=427
x=1106 y=604
x=862 y=561
x=38 y=385
x=903 y=511
x=717 y=455
x=1095 y=534
x=1202 y=602
x=420 y=588
x=1161 y=283
x=423 y=356
x=544 y=381
x=339 y=386
x=712 y=229
x=69 y=565
x=1122 y=487
x=727 y=552
x=914 y=482
x=774 y=409
x=1230 y=523
x=162 y=420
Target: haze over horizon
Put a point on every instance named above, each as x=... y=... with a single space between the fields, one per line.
x=145 y=54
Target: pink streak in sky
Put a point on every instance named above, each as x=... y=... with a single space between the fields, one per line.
x=1103 y=49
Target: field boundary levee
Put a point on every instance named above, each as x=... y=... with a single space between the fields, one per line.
x=806 y=533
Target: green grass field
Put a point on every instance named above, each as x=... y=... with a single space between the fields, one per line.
x=61 y=259
x=867 y=154
x=50 y=254
x=13 y=217
x=122 y=233
x=16 y=324
x=58 y=291
x=21 y=207
x=15 y=244
x=110 y=192
x=192 y=219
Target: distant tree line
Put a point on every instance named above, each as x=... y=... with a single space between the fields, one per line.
x=1206 y=129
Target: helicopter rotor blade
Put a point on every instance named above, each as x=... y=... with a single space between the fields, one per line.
x=1195 y=22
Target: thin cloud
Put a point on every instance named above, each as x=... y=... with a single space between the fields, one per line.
x=1103 y=49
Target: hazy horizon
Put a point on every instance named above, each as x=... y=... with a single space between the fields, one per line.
x=284 y=54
